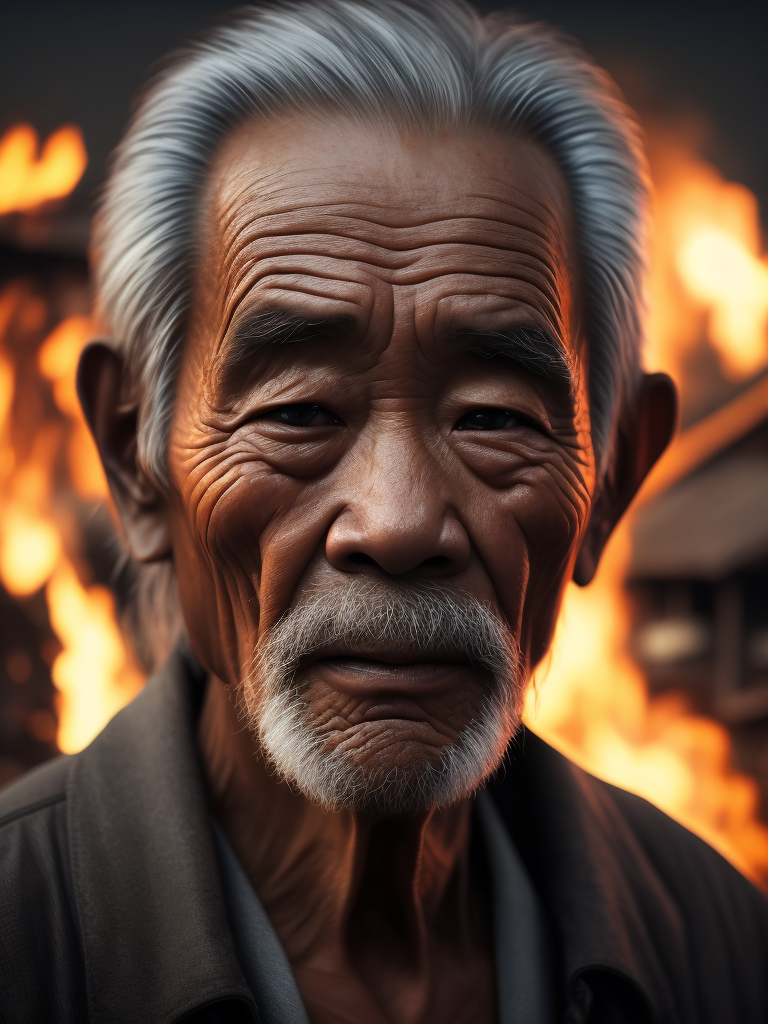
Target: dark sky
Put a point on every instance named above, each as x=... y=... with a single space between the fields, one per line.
x=81 y=62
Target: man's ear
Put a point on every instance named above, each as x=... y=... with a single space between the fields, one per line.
x=644 y=432
x=113 y=422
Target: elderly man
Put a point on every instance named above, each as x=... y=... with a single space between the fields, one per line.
x=370 y=275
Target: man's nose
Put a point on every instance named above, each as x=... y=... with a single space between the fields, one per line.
x=398 y=520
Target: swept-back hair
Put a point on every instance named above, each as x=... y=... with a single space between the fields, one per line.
x=429 y=64
x=424 y=64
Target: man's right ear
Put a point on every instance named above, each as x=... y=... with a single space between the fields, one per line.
x=113 y=422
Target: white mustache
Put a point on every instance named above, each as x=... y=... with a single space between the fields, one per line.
x=369 y=615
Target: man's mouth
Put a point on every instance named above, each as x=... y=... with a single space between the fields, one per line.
x=395 y=671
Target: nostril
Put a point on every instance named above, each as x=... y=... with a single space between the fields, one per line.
x=359 y=558
x=435 y=562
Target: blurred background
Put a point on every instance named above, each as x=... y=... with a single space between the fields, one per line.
x=658 y=680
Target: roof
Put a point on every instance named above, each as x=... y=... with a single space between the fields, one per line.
x=707 y=526
x=703 y=512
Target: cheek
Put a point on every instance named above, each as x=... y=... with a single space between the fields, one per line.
x=218 y=523
x=553 y=543
x=209 y=630
x=527 y=537
x=244 y=537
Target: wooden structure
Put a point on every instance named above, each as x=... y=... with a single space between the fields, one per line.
x=699 y=574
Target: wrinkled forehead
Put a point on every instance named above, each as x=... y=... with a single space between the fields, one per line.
x=474 y=220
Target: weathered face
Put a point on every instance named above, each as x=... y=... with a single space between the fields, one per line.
x=376 y=383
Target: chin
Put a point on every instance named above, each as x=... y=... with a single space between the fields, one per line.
x=389 y=765
x=405 y=778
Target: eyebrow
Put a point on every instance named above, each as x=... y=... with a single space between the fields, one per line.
x=260 y=329
x=530 y=348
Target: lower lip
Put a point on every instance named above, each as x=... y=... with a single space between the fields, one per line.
x=364 y=677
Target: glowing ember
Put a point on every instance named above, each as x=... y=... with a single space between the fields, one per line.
x=27 y=179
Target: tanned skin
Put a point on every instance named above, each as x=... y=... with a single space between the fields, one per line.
x=382 y=444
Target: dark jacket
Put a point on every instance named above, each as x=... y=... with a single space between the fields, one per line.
x=111 y=908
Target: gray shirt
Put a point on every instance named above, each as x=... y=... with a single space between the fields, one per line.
x=524 y=977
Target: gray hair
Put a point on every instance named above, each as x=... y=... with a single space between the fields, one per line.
x=422 y=63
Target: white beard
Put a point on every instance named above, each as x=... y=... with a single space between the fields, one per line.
x=362 y=612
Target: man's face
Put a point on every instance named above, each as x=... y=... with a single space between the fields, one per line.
x=375 y=389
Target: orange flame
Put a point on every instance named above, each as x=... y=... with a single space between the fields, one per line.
x=57 y=360
x=94 y=672
x=28 y=180
x=708 y=265
x=709 y=285
x=590 y=700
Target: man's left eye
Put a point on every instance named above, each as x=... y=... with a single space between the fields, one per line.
x=489 y=419
x=302 y=414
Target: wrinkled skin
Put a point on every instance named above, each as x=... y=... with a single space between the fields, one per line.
x=380 y=444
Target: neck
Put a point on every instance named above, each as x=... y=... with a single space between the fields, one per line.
x=338 y=887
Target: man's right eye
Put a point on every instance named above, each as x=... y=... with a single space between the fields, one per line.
x=302 y=414
x=490 y=419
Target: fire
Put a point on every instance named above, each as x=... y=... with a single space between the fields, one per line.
x=590 y=700
x=27 y=179
x=709 y=285
x=94 y=672
x=30 y=544
x=708 y=266
x=57 y=360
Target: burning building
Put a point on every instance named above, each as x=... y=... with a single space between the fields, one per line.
x=649 y=683
x=699 y=577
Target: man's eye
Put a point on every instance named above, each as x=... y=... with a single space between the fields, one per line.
x=489 y=419
x=302 y=415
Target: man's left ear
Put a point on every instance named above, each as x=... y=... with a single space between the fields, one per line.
x=645 y=430
x=113 y=420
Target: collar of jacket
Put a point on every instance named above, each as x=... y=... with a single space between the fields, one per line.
x=156 y=941
x=155 y=936
x=616 y=925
